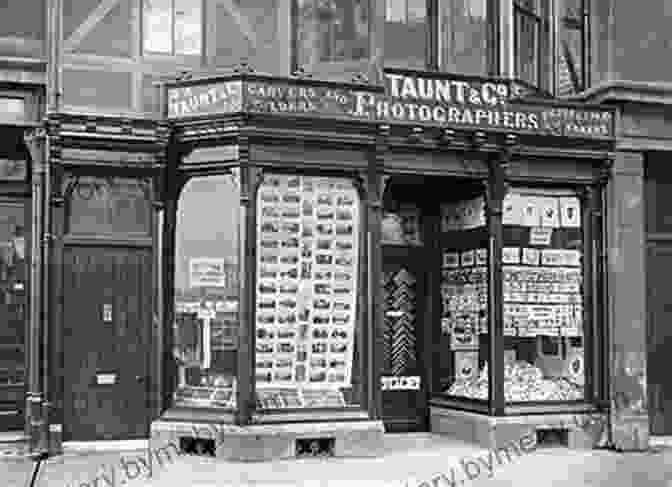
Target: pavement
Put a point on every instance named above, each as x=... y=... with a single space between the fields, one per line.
x=408 y=461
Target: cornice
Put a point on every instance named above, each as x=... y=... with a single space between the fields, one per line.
x=623 y=91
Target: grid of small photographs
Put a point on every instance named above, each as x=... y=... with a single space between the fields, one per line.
x=307 y=251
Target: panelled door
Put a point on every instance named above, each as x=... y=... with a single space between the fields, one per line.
x=106 y=345
x=403 y=383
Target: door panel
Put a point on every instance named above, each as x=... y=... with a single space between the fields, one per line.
x=107 y=313
x=403 y=380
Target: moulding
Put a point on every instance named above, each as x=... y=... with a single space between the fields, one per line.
x=623 y=91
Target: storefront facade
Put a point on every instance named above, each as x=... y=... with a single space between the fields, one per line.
x=370 y=254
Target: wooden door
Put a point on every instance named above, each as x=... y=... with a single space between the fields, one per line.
x=404 y=388
x=659 y=336
x=106 y=346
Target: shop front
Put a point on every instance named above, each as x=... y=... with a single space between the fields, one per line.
x=341 y=260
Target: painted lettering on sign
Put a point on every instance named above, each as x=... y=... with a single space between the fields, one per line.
x=205 y=99
x=437 y=101
x=448 y=91
x=400 y=383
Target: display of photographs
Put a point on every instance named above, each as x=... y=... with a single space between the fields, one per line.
x=481 y=256
x=468 y=258
x=511 y=255
x=570 y=212
x=451 y=260
x=308 y=253
x=549 y=212
x=466 y=365
x=531 y=256
x=512 y=210
x=530 y=216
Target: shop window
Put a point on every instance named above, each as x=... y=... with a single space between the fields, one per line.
x=543 y=296
x=464 y=36
x=531 y=42
x=13 y=294
x=463 y=371
x=331 y=31
x=307 y=346
x=206 y=292
x=172 y=27
x=406 y=31
x=108 y=206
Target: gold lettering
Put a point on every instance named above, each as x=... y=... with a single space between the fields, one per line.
x=467 y=117
x=507 y=119
x=394 y=83
x=521 y=121
x=453 y=115
x=408 y=90
x=442 y=90
x=439 y=114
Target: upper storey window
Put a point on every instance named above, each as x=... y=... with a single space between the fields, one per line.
x=332 y=32
x=172 y=27
x=531 y=41
x=464 y=36
x=406 y=33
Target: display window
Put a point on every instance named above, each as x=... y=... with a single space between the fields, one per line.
x=206 y=292
x=464 y=299
x=543 y=296
x=306 y=298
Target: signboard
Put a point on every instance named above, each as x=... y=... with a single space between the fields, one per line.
x=207 y=272
x=205 y=99
x=400 y=383
x=434 y=100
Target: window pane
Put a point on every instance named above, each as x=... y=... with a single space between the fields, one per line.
x=406 y=33
x=104 y=206
x=463 y=367
x=307 y=335
x=464 y=37
x=187 y=27
x=247 y=31
x=206 y=292
x=331 y=31
x=527 y=47
x=157 y=28
x=543 y=297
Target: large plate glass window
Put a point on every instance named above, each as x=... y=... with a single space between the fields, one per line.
x=464 y=338
x=464 y=36
x=331 y=31
x=543 y=296
x=206 y=292
x=307 y=346
x=406 y=26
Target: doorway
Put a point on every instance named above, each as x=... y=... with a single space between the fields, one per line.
x=106 y=345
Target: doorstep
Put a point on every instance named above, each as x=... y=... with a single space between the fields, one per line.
x=103 y=446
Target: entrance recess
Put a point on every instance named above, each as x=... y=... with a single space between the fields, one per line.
x=403 y=382
x=107 y=313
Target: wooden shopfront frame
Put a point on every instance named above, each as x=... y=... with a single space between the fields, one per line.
x=269 y=128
